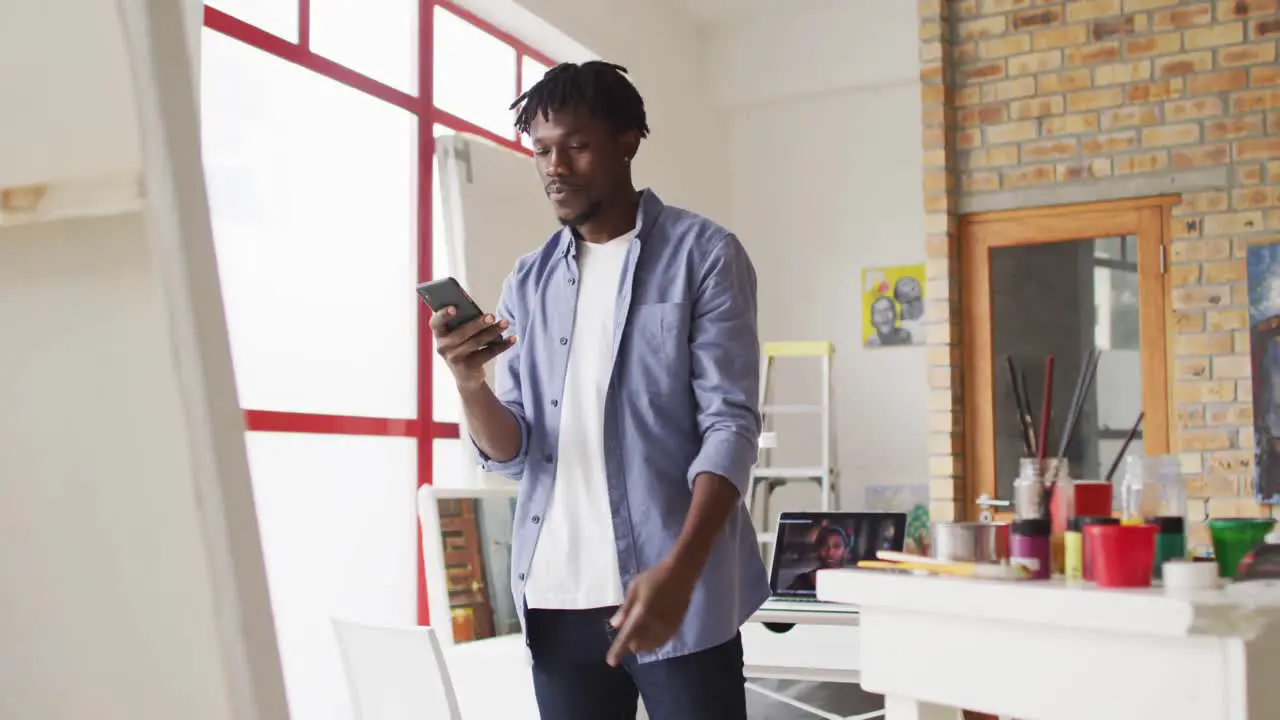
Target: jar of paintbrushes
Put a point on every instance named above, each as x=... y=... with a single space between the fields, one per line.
x=1044 y=489
x=1044 y=492
x=1037 y=478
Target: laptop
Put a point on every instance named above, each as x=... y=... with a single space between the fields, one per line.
x=809 y=541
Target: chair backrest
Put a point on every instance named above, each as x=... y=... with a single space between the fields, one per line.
x=395 y=673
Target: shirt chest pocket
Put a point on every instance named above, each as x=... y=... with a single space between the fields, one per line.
x=658 y=334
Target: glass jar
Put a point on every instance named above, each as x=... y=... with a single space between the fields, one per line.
x=1030 y=487
x=1153 y=487
x=1030 y=547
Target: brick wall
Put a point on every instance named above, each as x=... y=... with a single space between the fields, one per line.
x=942 y=311
x=1027 y=94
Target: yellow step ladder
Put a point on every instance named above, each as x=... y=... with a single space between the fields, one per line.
x=769 y=477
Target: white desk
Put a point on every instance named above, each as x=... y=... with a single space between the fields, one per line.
x=823 y=645
x=1048 y=651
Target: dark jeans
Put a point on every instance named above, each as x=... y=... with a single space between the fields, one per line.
x=573 y=682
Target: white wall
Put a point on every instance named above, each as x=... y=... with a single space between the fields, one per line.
x=824 y=178
x=800 y=131
x=684 y=158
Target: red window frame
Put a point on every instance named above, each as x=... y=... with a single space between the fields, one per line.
x=423 y=428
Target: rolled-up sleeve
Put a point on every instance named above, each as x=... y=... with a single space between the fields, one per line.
x=726 y=365
x=507 y=387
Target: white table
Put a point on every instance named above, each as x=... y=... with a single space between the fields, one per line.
x=1050 y=651
x=822 y=646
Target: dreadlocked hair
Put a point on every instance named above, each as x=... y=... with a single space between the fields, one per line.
x=601 y=88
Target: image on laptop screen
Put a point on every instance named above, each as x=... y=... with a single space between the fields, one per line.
x=808 y=542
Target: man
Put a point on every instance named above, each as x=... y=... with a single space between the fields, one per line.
x=830 y=547
x=625 y=402
x=909 y=295
x=910 y=298
x=884 y=318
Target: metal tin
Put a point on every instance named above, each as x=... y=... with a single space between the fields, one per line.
x=970 y=541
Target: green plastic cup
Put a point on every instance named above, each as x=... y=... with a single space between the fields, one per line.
x=1233 y=538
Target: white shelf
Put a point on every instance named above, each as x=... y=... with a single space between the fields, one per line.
x=791 y=410
x=796 y=473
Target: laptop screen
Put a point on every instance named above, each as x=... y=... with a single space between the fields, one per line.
x=808 y=542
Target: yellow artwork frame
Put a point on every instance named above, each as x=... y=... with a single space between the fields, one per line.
x=901 y=287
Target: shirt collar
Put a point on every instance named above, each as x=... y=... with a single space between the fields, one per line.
x=651 y=207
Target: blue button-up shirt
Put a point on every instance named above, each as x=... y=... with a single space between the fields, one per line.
x=682 y=400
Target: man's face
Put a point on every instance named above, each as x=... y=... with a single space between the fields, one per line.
x=907 y=290
x=831 y=552
x=581 y=162
x=883 y=315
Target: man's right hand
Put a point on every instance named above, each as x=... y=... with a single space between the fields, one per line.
x=467 y=348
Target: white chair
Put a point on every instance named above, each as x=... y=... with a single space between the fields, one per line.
x=395 y=673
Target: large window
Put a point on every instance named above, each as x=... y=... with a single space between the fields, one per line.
x=319 y=119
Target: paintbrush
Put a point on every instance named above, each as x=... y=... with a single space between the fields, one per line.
x=1084 y=383
x=980 y=571
x=1046 y=409
x=1027 y=413
x=1024 y=428
x=1075 y=399
x=1133 y=432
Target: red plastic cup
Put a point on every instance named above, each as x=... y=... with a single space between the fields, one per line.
x=1123 y=555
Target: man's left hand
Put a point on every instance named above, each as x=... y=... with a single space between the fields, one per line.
x=653 y=609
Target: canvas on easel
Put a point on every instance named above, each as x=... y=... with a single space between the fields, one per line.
x=132 y=566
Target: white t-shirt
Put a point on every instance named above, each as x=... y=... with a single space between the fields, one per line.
x=575 y=563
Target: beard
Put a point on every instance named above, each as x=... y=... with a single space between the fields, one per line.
x=585 y=216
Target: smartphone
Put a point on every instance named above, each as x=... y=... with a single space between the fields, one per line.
x=446 y=292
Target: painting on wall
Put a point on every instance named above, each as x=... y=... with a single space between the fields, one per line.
x=1263 y=263
x=893 y=306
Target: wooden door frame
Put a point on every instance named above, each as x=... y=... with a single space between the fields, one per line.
x=1147 y=218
